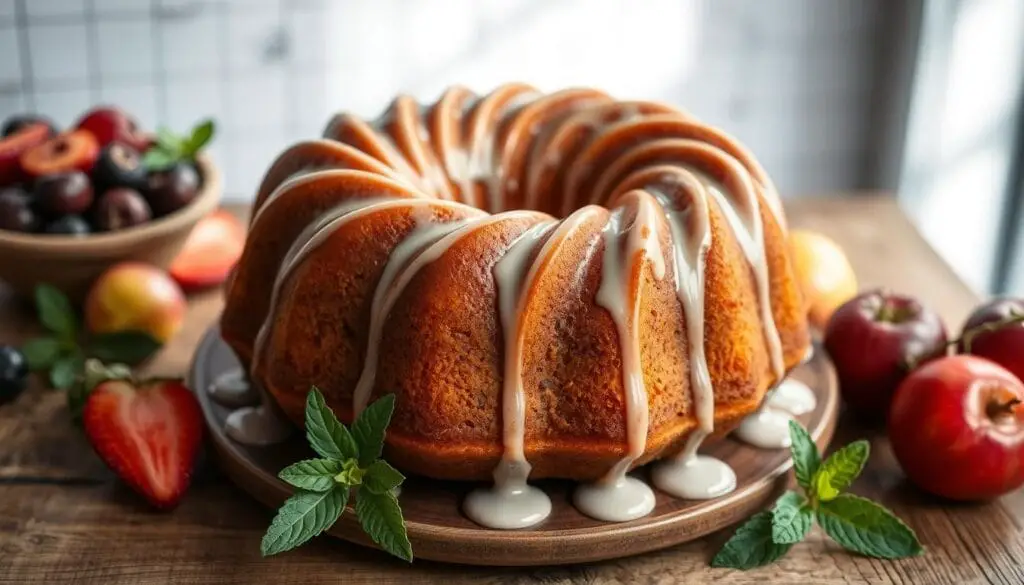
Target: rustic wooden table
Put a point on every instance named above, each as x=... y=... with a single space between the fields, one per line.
x=65 y=519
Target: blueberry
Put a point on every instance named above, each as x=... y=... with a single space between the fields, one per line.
x=16 y=213
x=13 y=373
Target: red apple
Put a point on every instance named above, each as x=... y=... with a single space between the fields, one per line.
x=957 y=428
x=108 y=124
x=1005 y=343
x=872 y=338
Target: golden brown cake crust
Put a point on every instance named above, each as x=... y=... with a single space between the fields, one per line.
x=383 y=277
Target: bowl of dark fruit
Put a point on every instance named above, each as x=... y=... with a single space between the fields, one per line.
x=77 y=201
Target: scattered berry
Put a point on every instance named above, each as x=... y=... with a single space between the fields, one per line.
x=148 y=433
x=13 y=373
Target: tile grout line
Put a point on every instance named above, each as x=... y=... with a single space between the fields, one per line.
x=24 y=55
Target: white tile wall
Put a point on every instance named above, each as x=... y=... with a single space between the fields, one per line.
x=59 y=54
x=792 y=78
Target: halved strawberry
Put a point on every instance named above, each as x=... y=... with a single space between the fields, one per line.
x=149 y=433
x=211 y=251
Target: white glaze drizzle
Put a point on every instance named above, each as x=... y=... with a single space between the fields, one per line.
x=385 y=298
x=749 y=232
x=232 y=388
x=768 y=427
x=619 y=294
x=689 y=475
x=256 y=425
x=484 y=165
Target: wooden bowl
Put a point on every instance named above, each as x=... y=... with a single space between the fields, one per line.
x=73 y=263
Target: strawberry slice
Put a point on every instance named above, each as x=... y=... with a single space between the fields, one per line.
x=211 y=251
x=148 y=433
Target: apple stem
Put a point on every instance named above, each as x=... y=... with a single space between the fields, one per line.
x=968 y=336
x=997 y=410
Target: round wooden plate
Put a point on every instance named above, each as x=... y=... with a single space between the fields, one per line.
x=439 y=531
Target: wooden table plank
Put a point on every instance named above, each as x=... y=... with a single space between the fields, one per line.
x=65 y=519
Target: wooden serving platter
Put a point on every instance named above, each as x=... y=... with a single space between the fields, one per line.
x=439 y=531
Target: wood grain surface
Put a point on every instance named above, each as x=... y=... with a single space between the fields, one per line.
x=65 y=519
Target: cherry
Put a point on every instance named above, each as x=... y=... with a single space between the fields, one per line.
x=66 y=152
x=171 y=189
x=64 y=194
x=72 y=225
x=16 y=212
x=120 y=208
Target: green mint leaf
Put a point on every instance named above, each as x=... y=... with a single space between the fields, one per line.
x=370 y=426
x=381 y=477
x=326 y=435
x=862 y=526
x=315 y=475
x=381 y=518
x=751 y=546
x=303 y=516
x=169 y=142
x=201 y=136
x=806 y=458
x=840 y=469
x=130 y=347
x=65 y=371
x=158 y=159
x=55 y=312
x=792 y=518
x=41 y=353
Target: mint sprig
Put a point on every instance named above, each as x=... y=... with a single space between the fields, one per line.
x=64 y=352
x=349 y=462
x=170 y=148
x=857 y=524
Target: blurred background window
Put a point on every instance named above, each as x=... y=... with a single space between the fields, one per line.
x=835 y=97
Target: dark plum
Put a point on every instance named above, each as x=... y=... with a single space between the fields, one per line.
x=63 y=194
x=119 y=165
x=171 y=189
x=120 y=208
x=16 y=213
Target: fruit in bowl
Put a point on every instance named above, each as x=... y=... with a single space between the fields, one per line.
x=104 y=175
x=875 y=340
x=957 y=428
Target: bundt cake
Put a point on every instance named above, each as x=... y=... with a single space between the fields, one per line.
x=560 y=285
